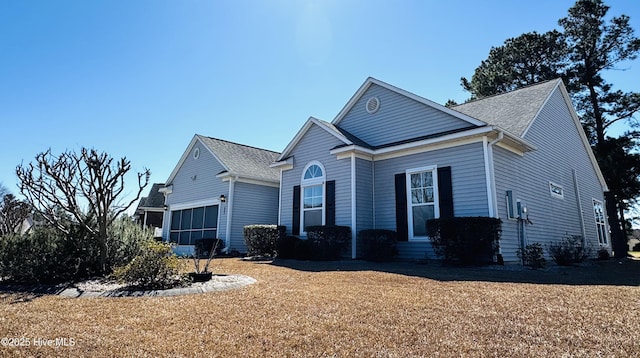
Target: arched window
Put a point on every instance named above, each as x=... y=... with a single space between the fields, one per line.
x=313 y=196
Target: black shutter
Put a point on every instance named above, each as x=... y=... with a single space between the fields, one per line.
x=295 y=222
x=330 y=210
x=445 y=192
x=402 y=227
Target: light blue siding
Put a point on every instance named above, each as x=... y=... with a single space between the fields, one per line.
x=196 y=181
x=315 y=145
x=364 y=194
x=468 y=181
x=560 y=151
x=399 y=118
x=253 y=204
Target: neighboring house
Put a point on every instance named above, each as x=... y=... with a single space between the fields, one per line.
x=392 y=159
x=150 y=210
x=216 y=189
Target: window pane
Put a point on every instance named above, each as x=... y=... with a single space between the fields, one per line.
x=312 y=218
x=317 y=191
x=416 y=196
x=195 y=235
x=416 y=181
x=173 y=237
x=196 y=220
x=211 y=216
x=185 y=223
x=183 y=238
x=209 y=234
x=175 y=220
x=316 y=201
x=427 y=178
x=307 y=203
x=421 y=214
x=313 y=171
x=428 y=195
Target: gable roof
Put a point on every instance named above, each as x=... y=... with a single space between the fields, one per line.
x=512 y=111
x=344 y=136
x=372 y=81
x=155 y=199
x=237 y=159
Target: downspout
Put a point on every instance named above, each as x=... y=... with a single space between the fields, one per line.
x=227 y=238
x=280 y=198
x=493 y=195
x=354 y=232
x=580 y=211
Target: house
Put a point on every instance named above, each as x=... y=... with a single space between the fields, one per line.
x=216 y=189
x=150 y=210
x=391 y=160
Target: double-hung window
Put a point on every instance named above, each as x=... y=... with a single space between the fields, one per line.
x=422 y=199
x=312 y=196
x=601 y=227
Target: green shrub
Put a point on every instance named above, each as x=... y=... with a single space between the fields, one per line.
x=126 y=239
x=287 y=247
x=378 y=244
x=465 y=240
x=156 y=267
x=262 y=240
x=328 y=241
x=569 y=250
x=41 y=256
x=532 y=256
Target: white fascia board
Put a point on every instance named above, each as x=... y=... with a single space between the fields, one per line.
x=227 y=176
x=194 y=204
x=151 y=209
x=166 y=190
x=286 y=164
x=583 y=136
x=369 y=81
x=475 y=135
x=311 y=121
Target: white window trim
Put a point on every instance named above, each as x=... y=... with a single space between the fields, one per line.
x=604 y=223
x=554 y=194
x=436 y=199
x=305 y=183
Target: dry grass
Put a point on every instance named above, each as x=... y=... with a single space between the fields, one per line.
x=352 y=309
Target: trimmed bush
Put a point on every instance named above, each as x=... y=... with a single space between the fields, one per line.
x=262 y=240
x=532 y=256
x=569 y=250
x=465 y=240
x=126 y=239
x=327 y=242
x=302 y=250
x=287 y=247
x=156 y=267
x=378 y=245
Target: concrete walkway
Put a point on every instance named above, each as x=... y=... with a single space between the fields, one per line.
x=216 y=284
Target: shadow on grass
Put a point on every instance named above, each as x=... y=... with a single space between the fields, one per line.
x=18 y=293
x=624 y=272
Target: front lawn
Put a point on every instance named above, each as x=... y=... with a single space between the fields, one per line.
x=351 y=308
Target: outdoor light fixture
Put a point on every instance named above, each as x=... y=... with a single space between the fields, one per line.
x=223 y=199
x=166 y=207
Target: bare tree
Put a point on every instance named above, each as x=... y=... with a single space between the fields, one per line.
x=87 y=186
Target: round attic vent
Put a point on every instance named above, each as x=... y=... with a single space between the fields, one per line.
x=373 y=104
x=196 y=153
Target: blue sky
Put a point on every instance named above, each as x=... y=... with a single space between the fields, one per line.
x=140 y=78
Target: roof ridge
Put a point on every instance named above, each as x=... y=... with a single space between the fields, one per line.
x=509 y=92
x=239 y=144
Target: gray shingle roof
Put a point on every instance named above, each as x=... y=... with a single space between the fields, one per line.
x=355 y=140
x=244 y=160
x=512 y=111
x=155 y=199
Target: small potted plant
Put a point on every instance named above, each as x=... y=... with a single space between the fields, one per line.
x=202 y=251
